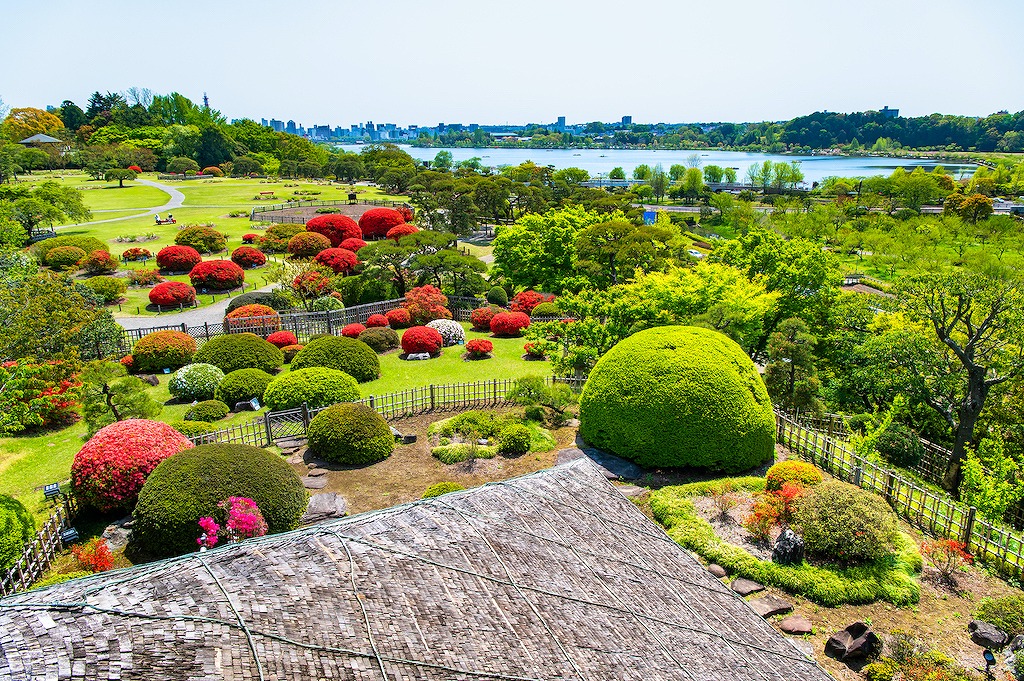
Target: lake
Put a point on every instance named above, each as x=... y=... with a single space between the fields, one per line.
x=597 y=161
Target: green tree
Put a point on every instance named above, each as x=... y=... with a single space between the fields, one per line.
x=25 y=122
x=109 y=394
x=730 y=175
x=790 y=374
x=713 y=173
x=915 y=189
x=611 y=250
x=43 y=316
x=617 y=173
x=990 y=480
x=443 y=161
x=693 y=184
x=659 y=182
x=120 y=175
x=642 y=172
x=676 y=172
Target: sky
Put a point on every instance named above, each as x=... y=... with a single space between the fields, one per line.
x=456 y=61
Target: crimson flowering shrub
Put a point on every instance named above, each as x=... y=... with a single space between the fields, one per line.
x=110 y=469
x=178 y=258
x=338 y=259
x=405 y=212
x=248 y=257
x=422 y=339
x=36 y=395
x=352 y=244
x=308 y=244
x=527 y=300
x=398 y=231
x=100 y=262
x=135 y=169
x=509 y=323
x=376 y=320
x=240 y=519
x=163 y=349
x=479 y=348
x=250 y=238
x=135 y=254
x=172 y=294
x=398 y=318
x=282 y=339
x=377 y=221
x=94 y=555
x=335 y=227
x=219 y=275
x=481 y=318
x=256 y=317
x=128 y=362
x=425 y=304
x=352 y=330
x=311 y=284
x=143 y=277
x=947 y=556
x=535 y=350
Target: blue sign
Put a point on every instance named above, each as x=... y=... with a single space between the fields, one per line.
x=650 y=217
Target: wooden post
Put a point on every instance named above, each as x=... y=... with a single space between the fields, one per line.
x=431 y=397
x=858 y=474
x=267 y=428
x=889 y=483
x=972 y=514
x=305 y=416
x=206 y=327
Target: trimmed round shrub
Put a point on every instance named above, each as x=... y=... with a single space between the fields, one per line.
x=800 y=472
x=481 y=317
x=65 y=258
x=17 y=528
x=514 y=440
x=845 y=523
x=376 y=222
x=352 y=245
x=187 y=487
x=326 y=304
x=352 y=356
x=398 y=231
x=136 y=254
x=282 y=339
x=497 y=296
x=311 y=284
x=163 y=350
x=351 y=434
x=277 y=299
x=679 y=396
x=352 y=330
x=380 y=338
x=317 y=387
x=439 y=488
x=248 y=257
x=213 y=170
x=110 y=469
x=338 y=259
x=100 y=262
x=240 y=351
x=525 y=301
x=276 y=238
x=195 y=382
x=398 y=318
x=109 y=289
x=422 y=339
x=335 y=227
x=509 y=324
x=250 y=238
x=193 y=428
x=217 y=275
x=426 y=303
x=289 y=352
x=172 y=294
x=479 y=348
x=203 y=239
x=548 y=309
x=308 y=244
x=376 y=320
x=241 y=385
x=900 y=446
x=451 y=332
x=207 y=411
x=178 y=258
x=88 y=244
x=260 y=318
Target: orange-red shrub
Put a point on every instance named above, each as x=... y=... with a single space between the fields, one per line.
x=377 y=221
x=335 y=227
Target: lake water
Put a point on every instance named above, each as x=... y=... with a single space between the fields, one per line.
x=597 y=161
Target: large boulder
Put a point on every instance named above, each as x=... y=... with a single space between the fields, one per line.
x=789 y=548
x=855 y=642
x=987 y=635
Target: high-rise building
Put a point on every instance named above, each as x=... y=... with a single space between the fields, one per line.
x=627 y=120
x=264 y=123
x=561 y=123
x=890 y=113
x=291 y=128
x=277 y=125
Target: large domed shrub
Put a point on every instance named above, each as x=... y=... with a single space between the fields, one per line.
x=282 y=339
x=398 y=318
x=802 y=473
x=352 y=330
x=422 y=339
x=88 y=244
x=376 y=222
x=380 y=339
x=546 y=309
x=217 y=275
x=376 y=320
x=163 y=350
x=242 y=385
x=172 y=294
x=425 y=304
x=16 y=530
x=510 y=324
x=260 y=318
x=525 y=301
x=203 y=239
x=311 y=284
x=275 y=239
x=240 y=351
x=398 y=231
x=338 y=259
x=317 y=387
x=195 y=382
x=248 y=257
x=308 y=244
x=451 y=332
x=351 y=434
x=65 y=257
x=352 y=245
x=676 y=396
x=187 y=487
x=845 y=523
x=900 y=446
x=109 y=470
x=109 y=289
x=335 y=227
x=352 y=356
x=178 y=258
x=497 y=296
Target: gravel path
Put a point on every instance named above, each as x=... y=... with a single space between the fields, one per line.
x=208 y=314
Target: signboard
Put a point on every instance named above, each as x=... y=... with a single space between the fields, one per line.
x=255 y=404
x=650 y=217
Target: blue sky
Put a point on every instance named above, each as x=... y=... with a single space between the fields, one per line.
x=407 y=61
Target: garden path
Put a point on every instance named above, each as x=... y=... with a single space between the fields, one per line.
x=207 y=314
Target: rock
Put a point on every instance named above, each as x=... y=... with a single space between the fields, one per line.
x=117 y=534
x=417 y=356
x=767 y=606
x=796 y=625
x=612 y=466
x=717 y=570
x=483 y=442
x=572 y=423
x=745 y=587
x=1017 y=643
x=855 y=642
x=323 y=506
x=311 y=465
x=295 y=458
x=317 y=472
x=408 y=439
x=149 y=378
x=631 y=491
x=244 y=405
x=314 y=482
x=789 y=548
x=987 y=635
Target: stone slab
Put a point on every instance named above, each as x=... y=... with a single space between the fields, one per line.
x=769 y=606
x=745 y=587
x=717 y=570
x=324 y=506
x=796 y=625
x=314 y=483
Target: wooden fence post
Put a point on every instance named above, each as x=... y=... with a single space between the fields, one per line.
x=305 y=416
x=889 y=484
x=267 y=428
x=431 y=397
x=972 y=514
x=858 y=474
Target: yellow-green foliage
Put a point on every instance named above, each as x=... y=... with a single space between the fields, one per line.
x=16 y=530
x=462 y=451
x=316 y=386
x=351 y=434
x=439 y=488
x=676 y=396
x=800 y=472
x=354 y=357
x=60 y=578
x=890 y=578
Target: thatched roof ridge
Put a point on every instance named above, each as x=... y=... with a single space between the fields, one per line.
x=554 y=575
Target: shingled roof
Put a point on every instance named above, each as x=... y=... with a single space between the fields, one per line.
x=554 y=575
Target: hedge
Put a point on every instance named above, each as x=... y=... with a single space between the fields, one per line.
x=377 y=221
x=352 y=356
x=792 y=470
x=242 y=385
x=195 y=382
x=276 y=238
x=163 y=350
x=192 y=428
x=203 y=239
x=439 y=488
x=248 y=257
x=337 y=228
x=218 y=275
x=65 y=258
x=481 y=318
x=188 y=486
x=380 y=338
x=351 y=434
x=178 y=258
x=207 y=411
x=514 y=440
x=679 y=396
x=845 y=523
x=525 y=301
x=172 y=294
x=308 y=244
x=316 y=386
x=17 y=528
x=509 y=324
x=338 y=260
x=547 y=309
x=88 y=244
x=422 y=339
x=240 y=351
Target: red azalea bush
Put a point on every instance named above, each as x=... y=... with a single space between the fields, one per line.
x=335 y=227
x=100 y=262
x=128 y=362
x=527 y=300
x=248 y=257
x=289 y=352
x=258 y=318
x=422 y=339
x=178 y=258
x=134 y=254
x=143 y=277
x=398 y=318
x=163 y=349
x=398 y=231
x=509 y=323
x=425 y=304
x=478 y=348
x=282 y=339
x=352 y=330
x=405 y=212
x=172 y=294
x=94 y=555
x=376 y=320
x=534 y=350
x=219 y=275
x=37 y=395
x=135 y=169
x=376 y=222
x=250 y=238
x=481 y=318
x=338 y=259
x=352 y=245
x=110 y=469
x=308 y=244
x=311 y=284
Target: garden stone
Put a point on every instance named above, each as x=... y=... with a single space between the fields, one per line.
x=631 y=491
x=745 y=587
x=987 y=635
x=1017 y=643
x=855 y=642
x=323 y=506
x=717 y=570
x=796 y=625
x=314 y=482
x=149 y=378
x=767 y=606
x=117 y=534
x=317 y=472
x=417 y=356
x=244 y=405
x=789 y=548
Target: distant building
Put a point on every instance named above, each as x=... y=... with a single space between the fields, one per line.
x=291 y=128
x=561 y=123
x=277 y=125
x=890 y=113
x=627 y=120
x=264 y=123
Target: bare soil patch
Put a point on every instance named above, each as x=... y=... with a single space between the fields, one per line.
x=354 y=211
